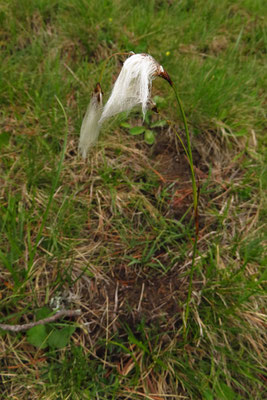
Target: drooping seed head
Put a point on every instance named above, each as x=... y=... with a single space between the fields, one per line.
x=133 y=85
x=90 y=127
x=132 y=88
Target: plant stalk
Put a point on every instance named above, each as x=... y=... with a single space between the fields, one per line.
x=195 y=203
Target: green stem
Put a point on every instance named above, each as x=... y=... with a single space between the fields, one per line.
x=195 y=203
x=189 y=150
x=189 y=294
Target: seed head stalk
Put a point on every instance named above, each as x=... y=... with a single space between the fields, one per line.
x=195 y=204
x=188 y=153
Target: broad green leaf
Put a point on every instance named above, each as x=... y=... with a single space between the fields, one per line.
x=44 y=312
x=59 y=338
x=37 y=336
x=242 y=132
x=149 y=137
x=137 y=130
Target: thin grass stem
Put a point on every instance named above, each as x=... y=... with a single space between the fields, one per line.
x=51 y=196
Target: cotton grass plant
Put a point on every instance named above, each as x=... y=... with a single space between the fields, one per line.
x=133 y=88
x=113 y=241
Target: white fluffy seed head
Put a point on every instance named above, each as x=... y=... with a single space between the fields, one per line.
x=132 y=88
x=133 y=85
x=90 y=127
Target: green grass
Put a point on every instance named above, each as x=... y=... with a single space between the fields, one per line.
x=113 y=236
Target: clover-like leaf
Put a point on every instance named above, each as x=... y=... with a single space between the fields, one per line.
x=37 y=336
x=43 y=312
x=59 y=338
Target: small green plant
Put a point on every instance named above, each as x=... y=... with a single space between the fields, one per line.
x=148 y=129
x=52 y=335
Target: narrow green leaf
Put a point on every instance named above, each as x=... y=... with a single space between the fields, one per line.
x=147 y=117
x=207 y=394
x=126 y=125
x=132 y=339
x=159 y=124
x=224 y=392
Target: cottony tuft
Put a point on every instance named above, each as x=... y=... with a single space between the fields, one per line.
x=90 y=126
x=133 y=85
x=132 y=88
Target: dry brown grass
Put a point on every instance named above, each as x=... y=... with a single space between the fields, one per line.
x=110 y=291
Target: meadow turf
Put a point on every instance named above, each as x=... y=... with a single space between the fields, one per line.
x=113 y=236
